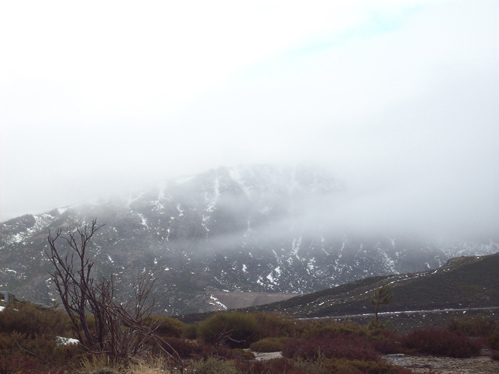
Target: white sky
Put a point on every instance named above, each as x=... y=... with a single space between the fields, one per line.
x=395 y=96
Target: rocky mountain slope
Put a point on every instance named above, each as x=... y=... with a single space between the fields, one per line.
x=462 y=283
x=246 y=229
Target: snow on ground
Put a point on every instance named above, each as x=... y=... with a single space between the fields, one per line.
x=61 y=340
x=236 y=177
x=215 y=301
x=143 y=219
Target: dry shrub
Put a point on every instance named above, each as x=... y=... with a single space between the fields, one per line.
x=344 y=366
x=150 y=365
x=241 y=354
x=190 y=332
x=214 y=366
x=278 y=366
x=441 y=342
x=138 y=365
x=493 y=341
x=28 y=335
x=188 y=349
x=269 y=344
x=236 y=330
x=385 y=341
x=320 y=366
x=18 y=364
x=32 y=319
x=184 y=348
x=225 y=353
x=90 y=363
x=43 y=347
x=473 y=326
x=165 y=326
x=272 y=325
x=322 y=329
x=348 y=346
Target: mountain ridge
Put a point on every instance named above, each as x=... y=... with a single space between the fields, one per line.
x=245 y=229
x=462 y=283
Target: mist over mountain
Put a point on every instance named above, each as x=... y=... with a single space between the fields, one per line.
x=255 y=228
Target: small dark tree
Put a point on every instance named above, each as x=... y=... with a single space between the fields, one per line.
x=382 y=296
x=118 y=330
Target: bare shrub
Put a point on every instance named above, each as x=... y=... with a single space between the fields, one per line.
x=117 y=329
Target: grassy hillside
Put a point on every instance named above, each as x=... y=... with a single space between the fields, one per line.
x=465 y=282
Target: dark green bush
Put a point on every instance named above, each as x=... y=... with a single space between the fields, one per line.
x=236 y=330
x=165 y=326
x=190 y=332
x=272 y=325
x=32 y=319
x=269 y=344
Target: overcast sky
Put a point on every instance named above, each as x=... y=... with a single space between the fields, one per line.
x=399 y=98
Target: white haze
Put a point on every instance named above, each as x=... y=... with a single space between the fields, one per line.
x=399 y=99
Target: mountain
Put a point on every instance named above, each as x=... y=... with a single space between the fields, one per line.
x=258 y=228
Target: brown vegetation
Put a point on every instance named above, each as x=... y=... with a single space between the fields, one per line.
x=323 y=347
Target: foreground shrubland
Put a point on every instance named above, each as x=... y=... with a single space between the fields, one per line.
x=30 y=343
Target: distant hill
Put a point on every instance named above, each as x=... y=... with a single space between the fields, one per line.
x=464 y=282
x=241 y=229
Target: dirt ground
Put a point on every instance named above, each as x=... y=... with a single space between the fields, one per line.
x=446 y=365
x=234 y=300
x=428 y=364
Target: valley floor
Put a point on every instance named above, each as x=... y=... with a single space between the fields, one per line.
x=445 y=365
x=428 y=364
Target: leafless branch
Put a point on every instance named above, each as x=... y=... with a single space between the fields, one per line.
x=118 y=329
